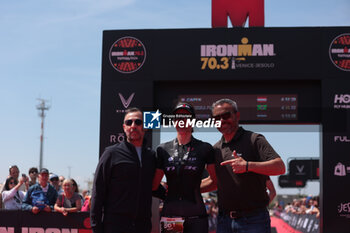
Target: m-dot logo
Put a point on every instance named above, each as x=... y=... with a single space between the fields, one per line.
x=339 y=52
x=127 y=55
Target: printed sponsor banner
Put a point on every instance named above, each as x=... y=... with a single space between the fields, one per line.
x=336 y=159
x=197 y=53
x=116 y=98
x=309 y=64
x=17 y=221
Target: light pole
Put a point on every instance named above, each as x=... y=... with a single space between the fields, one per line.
x=42 y=107
x=69 y=167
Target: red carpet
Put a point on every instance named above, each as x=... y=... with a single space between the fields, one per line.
x=281 y=227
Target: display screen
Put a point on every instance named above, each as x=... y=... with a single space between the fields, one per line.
x=259 y=102
x=271 y=107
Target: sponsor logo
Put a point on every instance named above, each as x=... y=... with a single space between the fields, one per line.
x=342 y=101
x=236 y=56
x=300 y=170
x=120 y=137
x=339 y=52
x=151 y=120
x=185 y=123
x=344 y=209
x=341 y=170
x=228 y=8
x=341 y=139
x=127 y=55
x=125 y=102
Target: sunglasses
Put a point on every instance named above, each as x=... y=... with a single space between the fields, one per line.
x=138 y=122
x=12 y=183
x=34 y=172
x=223 y=116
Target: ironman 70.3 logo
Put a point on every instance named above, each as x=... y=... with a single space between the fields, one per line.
x=127 y=55
x=339 y=52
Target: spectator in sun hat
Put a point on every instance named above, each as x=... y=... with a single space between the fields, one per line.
x=41 y=196
x=33 y=175
x=54 y=181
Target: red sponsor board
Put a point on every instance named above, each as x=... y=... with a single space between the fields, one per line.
x=238 y=11
x=16 y=221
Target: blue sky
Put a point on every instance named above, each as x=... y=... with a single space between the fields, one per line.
x=52 y=50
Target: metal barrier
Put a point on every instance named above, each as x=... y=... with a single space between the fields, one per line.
x=305 y=223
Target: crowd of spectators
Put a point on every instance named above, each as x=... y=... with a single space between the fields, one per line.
x=53 y=192
x=304 y=205
x=15 y=192
x=212 y=211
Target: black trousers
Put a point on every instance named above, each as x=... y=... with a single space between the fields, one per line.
x=196 y=225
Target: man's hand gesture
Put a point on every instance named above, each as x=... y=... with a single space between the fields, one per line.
x=238 y=164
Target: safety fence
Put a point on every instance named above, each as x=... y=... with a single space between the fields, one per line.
x=305 y=223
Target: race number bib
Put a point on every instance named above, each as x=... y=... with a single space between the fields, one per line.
x=171 y=225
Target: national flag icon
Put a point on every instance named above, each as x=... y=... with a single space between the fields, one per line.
x=261 y=107
x=261 y=99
